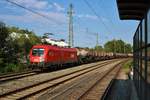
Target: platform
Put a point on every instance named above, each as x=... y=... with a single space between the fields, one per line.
x=122 y=89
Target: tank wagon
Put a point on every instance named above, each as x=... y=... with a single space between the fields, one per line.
x=48 y=56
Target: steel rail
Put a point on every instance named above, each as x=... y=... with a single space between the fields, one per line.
x=29 y=95
x=17 y=76
x=108 y=89
x=66 y=80
x=68 y=88
x=31 y=86
x=98 y=81
x=14 y=74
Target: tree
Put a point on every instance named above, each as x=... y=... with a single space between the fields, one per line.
x=98 y=48
x=15 y=49
x=128 y=48
x=117 y=46
x=25 y=44
x=110 y=46
x=3 y=35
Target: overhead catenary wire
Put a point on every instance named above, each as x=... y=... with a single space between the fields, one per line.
x=99 y=17
x=35 y=12
x=100 y=5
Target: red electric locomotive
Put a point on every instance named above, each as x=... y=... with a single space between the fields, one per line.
x=44 y=56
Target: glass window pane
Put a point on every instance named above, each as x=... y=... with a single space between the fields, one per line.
x=37 y=52
x=143 y=94
x=143 y=33
x=148 y=56
x=139 y=37
x=136 y=40
x=148 y=26
x=143 y=63
x=136 y=78
x=148 y=67
x=34 y=52
x=41 y=52
x=138 y=61
x=148 y=72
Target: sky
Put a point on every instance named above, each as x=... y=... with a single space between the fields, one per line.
x=86 y=23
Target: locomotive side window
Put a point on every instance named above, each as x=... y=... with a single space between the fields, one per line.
x=37 y=52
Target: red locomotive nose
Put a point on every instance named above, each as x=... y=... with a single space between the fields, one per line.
x=35 y=59
x=37 y=55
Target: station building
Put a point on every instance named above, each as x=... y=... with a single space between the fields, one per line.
x=139 y=10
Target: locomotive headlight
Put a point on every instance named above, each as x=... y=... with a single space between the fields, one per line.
x=41 y=59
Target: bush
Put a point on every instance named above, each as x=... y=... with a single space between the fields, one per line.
x=13 y=68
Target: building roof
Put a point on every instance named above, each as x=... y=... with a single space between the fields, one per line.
x=133 y=9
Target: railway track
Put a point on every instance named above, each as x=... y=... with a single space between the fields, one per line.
x=9 y=77
x=97 y=90
x=87 y=88
x=29 y=91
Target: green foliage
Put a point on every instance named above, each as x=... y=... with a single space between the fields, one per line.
x=25 y=44
x=3 y=35
x=10 y=67
x=128 y=64
x=21 y=31
x=1 y=62
x=117 y=46
x=98 y=48
x=109 y=46
x=3 y=43
x=14 y=51
x=128 y=48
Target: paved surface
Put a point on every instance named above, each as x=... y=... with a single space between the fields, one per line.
x=123 y=88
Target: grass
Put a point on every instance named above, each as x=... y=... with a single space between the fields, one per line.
x=127 y=66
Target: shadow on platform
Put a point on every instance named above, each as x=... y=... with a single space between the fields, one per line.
x=122 y=90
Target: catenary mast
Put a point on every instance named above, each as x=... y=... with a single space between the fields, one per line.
x=70 y=14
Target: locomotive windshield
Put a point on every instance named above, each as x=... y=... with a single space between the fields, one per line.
x=37 y=52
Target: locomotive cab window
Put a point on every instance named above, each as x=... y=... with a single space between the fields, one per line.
x=37 y=52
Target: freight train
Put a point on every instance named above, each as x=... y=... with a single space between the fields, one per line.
x=48 y=56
